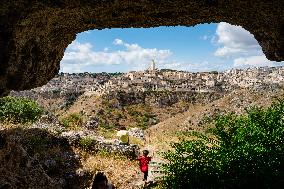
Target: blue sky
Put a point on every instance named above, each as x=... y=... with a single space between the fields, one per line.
x=204 y=47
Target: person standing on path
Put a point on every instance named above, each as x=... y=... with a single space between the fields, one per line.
x=144 y=161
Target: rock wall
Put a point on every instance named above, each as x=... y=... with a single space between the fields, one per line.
x=161 y=98
x=36 y=158
x=18 y=169
x=96 y=144
x=35 y=33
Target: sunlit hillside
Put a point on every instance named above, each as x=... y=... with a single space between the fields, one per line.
x=72 y=126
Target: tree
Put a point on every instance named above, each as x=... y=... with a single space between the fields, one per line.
x=246 y=151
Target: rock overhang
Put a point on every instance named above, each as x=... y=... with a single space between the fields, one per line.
x=34 y=34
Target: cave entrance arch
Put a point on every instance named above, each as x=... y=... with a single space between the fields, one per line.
x=34 y=34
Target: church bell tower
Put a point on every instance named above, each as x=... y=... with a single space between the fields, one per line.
x=153 y=65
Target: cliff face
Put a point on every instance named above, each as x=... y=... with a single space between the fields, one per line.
x=162 y=99
x=35 y=33
x=135 y=109
x=19 y=169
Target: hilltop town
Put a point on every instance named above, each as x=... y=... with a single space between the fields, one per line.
x=153 y=79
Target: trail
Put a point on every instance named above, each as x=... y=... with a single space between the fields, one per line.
x=154 y=168
x=156 y=134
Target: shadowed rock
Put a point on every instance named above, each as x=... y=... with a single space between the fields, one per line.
x=35 y=158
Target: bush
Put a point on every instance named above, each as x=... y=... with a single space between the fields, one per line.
x=247 y=152
x=19 y=110
x=86 y=144
x=72 y=120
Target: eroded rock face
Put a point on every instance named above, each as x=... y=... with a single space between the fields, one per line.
x=35 y=33
x=36 y=158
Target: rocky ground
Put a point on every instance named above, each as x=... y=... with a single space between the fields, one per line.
x=46 y=155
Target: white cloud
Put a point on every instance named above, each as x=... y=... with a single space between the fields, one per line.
x=234 y=40
x=199 y=66
x=118 y=42
x=226 y=51
x=80 y=55
x=256 y=61
x=171 y=65
x=240 y=47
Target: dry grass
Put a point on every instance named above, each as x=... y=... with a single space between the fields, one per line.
x=162 y=135
x=120 y=171
x=8 y=125
x=137 y=141
x=89 y=105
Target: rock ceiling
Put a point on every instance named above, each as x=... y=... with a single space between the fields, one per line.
x=35 y=33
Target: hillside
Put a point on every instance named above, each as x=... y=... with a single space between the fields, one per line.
x=158 y=137
x=197 y=117
x=142 y=110
x=76 y=136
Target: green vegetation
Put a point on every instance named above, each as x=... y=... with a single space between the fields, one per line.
x=113 y=115
x=143 y=120
x=243 y=152
x=168 y=70
x=214 y=72
x=19 y=110
x=142 y=115
x=72 y=121
x=109 y=116
x=86 y=144
x=107 y=133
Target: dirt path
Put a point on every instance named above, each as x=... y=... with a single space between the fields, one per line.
x=155 y=170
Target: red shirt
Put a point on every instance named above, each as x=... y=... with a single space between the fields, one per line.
x=144 y=162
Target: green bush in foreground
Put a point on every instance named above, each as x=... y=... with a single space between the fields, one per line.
x=19 y=110
x=248 y=153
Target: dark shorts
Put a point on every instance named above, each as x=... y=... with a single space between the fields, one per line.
x=145 y=175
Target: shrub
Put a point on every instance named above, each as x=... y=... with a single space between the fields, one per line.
x=106 y=125
x=72 y=120
x=19 y=110
x=86 y=144
x=248 y=152
x=142 y=121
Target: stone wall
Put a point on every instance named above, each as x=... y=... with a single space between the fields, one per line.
x=99 y=144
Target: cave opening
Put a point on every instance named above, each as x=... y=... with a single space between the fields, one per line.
x=146 y=80
x=34 y=36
